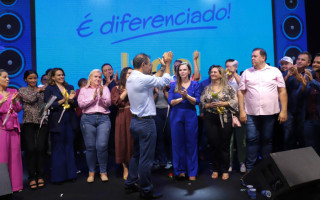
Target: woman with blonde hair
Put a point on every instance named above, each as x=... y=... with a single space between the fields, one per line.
x=220 y=101
x=94 y=100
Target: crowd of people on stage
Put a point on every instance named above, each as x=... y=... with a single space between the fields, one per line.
x=150 y=119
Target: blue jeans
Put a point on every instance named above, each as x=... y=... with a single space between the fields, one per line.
x=96 y=131
x=144 y=135
x=293 y=131
x=311 y=134
x=259 y=137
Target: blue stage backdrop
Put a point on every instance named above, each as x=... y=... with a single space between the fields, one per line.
x=81 y=35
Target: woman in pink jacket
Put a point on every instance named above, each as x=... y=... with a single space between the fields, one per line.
x=10 y=150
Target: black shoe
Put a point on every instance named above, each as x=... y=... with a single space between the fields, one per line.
x=150 y=195
x=132 y=188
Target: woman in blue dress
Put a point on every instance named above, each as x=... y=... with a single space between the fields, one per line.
x=62 y=123
x=183 y=96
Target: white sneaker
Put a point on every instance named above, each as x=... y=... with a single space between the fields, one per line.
x=168 y=166
x=243 y=168
x=230 y=169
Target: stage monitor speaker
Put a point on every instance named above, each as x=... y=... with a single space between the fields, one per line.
x=5 y=183
x=17 y=52
x=286 y=171
x=290 y=33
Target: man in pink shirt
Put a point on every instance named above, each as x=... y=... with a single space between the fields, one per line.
x=260 y=89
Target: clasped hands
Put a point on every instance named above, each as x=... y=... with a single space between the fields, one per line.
x=166 y=58
x=96 y=92
x=184 y=94
x=217 y=104
x=15 y=98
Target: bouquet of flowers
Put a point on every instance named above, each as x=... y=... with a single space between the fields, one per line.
x=220 y=109
x=66 y=104
x=44 y=112
x=10 y=111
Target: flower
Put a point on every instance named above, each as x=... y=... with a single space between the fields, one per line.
x=215 y=95
x=220 y=110
x=228 y=72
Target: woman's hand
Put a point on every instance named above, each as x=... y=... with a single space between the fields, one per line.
x=184 y=94
x=41 y=89
x=101 y=90
x=217 y=104
x=72 y=94
x=95 y=94
x=5 y=98
x=15 y=97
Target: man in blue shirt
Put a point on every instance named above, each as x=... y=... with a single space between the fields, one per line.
x=143 y=129
x=293 y=127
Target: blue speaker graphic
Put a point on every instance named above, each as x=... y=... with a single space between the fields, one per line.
x=16 y=39
x=289 y=28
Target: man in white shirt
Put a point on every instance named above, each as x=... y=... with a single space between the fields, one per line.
x=143 y=128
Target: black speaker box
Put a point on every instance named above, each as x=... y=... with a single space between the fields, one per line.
x=287 y=173
x=17 y=39
x=289 y=17
x=5 y=183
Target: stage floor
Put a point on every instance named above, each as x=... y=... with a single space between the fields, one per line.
x=204 y=188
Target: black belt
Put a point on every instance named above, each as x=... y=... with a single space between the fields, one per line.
x=145 y=117
x=97 y=113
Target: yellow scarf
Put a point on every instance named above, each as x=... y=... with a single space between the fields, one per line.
x=66 y=104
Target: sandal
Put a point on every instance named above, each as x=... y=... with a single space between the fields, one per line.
x=214 y=175
x=104 y=177
x=181 y=176
x=225 y=176
x=40 y=183
x=33 y=185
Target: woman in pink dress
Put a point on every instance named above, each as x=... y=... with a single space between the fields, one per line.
x=10 y=150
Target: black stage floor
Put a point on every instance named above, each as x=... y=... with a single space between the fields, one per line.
x=204 y=188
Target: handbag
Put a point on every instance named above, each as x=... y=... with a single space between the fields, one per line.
x=235 y=121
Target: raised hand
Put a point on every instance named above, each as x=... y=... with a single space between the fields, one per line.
x=116 y=76
x=195 y=55
x=293 y=70
x=308 y=75
x=161 y=60
x=167 y=57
